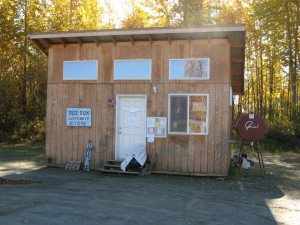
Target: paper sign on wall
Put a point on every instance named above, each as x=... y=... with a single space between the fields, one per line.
x=156 y=128
x=132 y=121
x=150 y=137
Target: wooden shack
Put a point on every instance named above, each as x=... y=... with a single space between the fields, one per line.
x=169 y=89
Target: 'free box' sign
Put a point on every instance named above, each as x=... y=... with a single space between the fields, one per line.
x=79 y=117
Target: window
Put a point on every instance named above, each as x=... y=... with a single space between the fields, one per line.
x=81 y=70
x=188 y=113
x=139 y=69
x=191 y=69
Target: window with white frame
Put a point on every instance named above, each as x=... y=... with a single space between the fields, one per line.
x=80 y=70
x=189 y=69
x=188 y=114
x=136 y=69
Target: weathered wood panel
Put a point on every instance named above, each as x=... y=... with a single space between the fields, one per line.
x=92 y=131
x=49 y=124
x=157 y=65
x=106 y=57
x=108 y=115
x=57 y=71
x=166 y=55
x=59 y=124
x=51 y=65
x=76 y=153
x=212 y=129
x=218 y=129
x=200 y=49
x=129 y=51
x=70 y=104
x=226 y=126
x=53 y=122
x=104 y=124
x=64 y=134
x=100 y=152
x=205 y=154
x=163 y=161
x=220 y=67
x=83 y=132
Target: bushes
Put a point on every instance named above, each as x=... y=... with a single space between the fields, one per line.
x=282 y=135
x=26 y=131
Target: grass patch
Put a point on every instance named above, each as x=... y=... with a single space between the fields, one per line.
x=266 y=145
x=238 y=173
x=22 y=152
x=234 y=174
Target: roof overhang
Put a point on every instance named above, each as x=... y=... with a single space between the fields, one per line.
x=235 y=34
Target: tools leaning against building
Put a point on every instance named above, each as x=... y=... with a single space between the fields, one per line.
x=88 y=155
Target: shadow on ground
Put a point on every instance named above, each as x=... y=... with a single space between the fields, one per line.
x=62 y=197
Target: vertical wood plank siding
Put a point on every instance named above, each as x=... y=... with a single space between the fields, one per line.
x=198 y=154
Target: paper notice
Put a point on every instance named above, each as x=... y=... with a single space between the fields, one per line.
x=150 y=139
x=150 y=135
x=132 y=121
x=150 y=122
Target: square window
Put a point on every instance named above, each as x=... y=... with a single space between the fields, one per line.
x=188 y=114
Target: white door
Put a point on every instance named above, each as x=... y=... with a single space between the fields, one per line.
x=131 y=123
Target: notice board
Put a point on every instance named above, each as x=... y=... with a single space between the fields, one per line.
x=156 y=127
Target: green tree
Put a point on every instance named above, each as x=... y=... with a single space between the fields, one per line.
x=139 y=18
x=23 y=67
x=162 y=12
x=70 y=15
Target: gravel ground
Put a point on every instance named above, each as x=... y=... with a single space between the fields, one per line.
x=55 y=196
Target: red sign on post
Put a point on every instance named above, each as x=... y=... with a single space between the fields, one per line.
x=251 y=127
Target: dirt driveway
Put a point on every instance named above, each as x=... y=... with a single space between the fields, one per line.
x=56 y=196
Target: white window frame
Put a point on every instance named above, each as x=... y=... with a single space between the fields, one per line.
x=230 y=96
x=82 y=76
x=189 y=78
x=146 y=77
x=188 y=113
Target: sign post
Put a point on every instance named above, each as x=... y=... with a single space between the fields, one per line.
x=251 y=128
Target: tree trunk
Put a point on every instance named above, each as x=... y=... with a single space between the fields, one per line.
x=261 y=85
x=24 y=86
x=292 y=70
x=271 y=84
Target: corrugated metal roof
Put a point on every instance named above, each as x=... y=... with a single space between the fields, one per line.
x=234 y=33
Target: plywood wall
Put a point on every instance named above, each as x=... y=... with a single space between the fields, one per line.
x=197 y=154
